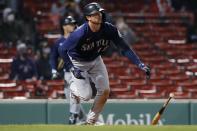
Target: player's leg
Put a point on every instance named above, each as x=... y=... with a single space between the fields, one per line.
x=81 y=88
x=76 y=110
x=99 y=76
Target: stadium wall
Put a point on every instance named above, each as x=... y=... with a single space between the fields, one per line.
x=137 y=112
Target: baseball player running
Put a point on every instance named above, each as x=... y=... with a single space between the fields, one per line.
x=84 y=47
x=68 y=25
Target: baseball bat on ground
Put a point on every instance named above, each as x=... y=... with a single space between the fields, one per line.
x=160 y=112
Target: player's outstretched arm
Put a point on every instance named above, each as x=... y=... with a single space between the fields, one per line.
x=130 y=54
x=127 y=51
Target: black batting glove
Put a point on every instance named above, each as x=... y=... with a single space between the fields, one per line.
x=147 y=70
x=77 y=73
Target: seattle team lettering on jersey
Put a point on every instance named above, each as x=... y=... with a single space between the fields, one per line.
x=85 y=45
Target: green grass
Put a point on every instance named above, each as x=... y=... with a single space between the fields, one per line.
x=95 y=128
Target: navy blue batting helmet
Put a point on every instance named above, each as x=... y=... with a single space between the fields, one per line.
x=69 y=20
x=92 y=8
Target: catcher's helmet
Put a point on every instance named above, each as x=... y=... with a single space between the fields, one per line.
x=69 y=20
x=92 y=8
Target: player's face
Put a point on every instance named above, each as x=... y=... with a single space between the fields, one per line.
x=69 y=28
x=95 y=18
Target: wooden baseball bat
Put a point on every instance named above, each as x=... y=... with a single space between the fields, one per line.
x=60 y=64
x=160 y=112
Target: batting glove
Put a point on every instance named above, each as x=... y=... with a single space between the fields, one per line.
x=77 y=73
x=146 y=69
x=55 y=74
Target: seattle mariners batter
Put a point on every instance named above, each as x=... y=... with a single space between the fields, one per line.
x=68 y=26
x=84 y=47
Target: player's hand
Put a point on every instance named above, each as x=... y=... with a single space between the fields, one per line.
x=55 y=74
x=77 y=73
x=147 y=70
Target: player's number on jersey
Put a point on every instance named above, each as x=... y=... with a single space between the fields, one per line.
x=102 y=49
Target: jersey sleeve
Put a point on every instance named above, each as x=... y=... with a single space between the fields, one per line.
x=125 y=50
x=68 y=44
x=54 y=56
x=64 y=55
